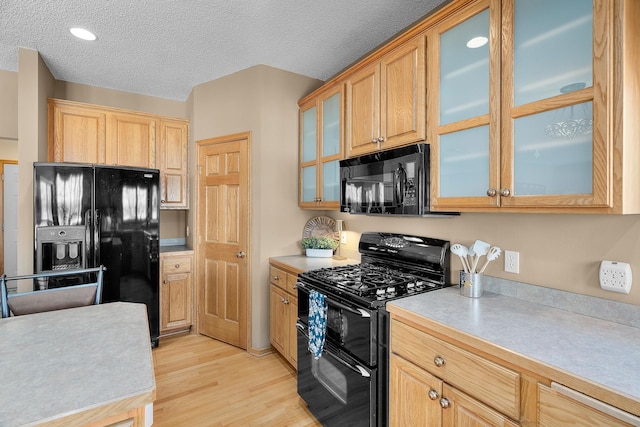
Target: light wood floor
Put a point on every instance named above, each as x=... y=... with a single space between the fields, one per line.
x=204 y=382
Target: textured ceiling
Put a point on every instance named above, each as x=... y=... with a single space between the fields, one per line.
x=165 y=47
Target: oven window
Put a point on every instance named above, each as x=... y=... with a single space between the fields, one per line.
x=330 y=377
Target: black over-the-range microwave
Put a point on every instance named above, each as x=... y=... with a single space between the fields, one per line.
x=391 y=182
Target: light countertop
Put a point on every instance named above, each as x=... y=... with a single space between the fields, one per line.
x=302 y=263
x=70 y=365
x=174 y=248
x=601 y=354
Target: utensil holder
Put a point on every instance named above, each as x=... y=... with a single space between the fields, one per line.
x=471 y=284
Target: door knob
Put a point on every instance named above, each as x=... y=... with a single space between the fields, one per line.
x=241 y=254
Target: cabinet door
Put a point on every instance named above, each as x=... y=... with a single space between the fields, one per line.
x=464 y=106
x=132 y=141
x=76 y=134
x=414 y=395
x=363 y=111
x=554 y=120
x=460 y=409
x=321 y=149
x=278 y=324
x=292 y=350
x=172 y=162
x=176 y=292
x=402 y=96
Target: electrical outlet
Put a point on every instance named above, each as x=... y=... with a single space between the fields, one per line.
x=615 y=276
x=343 y=237
x=512 y=262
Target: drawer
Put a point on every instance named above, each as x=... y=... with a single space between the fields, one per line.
x=292 y=279
x=484 y=380
x=176 y=264
x=278 y=277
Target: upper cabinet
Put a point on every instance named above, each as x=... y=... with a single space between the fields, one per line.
x=85 y=133
x=530 y=119
x=321 y=145
x=386 y=101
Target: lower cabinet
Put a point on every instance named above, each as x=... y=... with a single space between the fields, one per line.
x=284 y=313
x=434 y=382
x=176 y=283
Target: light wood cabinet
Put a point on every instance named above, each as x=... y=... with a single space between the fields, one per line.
x=284 y=313
x=171 y=150
x=77 y=133
x=132 y=140
x=321 y=149
x=176 y=290
x=543 y=129
x=85 y=133
x=386 y=101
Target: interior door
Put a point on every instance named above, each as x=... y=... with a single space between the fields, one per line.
x=222 y=238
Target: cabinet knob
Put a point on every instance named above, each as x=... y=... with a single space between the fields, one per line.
x=276 y=278
x=286 y=301
x=505 y=192
x=177 y=266
x=162 y=201
x=241 y=254
x=164 y=282
x=381 y=139
x=433 y=394
x=492 y=192
x=444 y=403
x=374 y=140
x=439 y=361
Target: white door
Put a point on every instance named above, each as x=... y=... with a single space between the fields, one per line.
x=10 y=204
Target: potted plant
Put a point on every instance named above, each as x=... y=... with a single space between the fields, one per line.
x=321 y=247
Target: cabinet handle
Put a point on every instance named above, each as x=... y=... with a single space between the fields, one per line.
x=433 y=394
x=444 y=403
x=162 y=201
x=286 y=301
x=374 y=140
x=492 y=192
x=276 y=278
x=282 y=300
x=177 y=266
x=240 y=254
x=505 y=192
x=164 y=282
x=439 y=361
x=381 y=139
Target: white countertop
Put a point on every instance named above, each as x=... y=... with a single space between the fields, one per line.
x=597 y=351
x=302 y=263
x=67 y=362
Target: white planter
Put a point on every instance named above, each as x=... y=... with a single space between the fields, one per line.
x=320 y=253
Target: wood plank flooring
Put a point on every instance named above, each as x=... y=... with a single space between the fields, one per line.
x=204 y=382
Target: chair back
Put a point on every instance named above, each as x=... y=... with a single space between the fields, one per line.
x=54 y=298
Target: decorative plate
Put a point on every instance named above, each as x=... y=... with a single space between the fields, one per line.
x=320 y=226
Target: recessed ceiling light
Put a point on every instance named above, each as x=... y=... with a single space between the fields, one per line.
x=477 y=42
x=83 y=34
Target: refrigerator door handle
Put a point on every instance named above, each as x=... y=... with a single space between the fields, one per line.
x=88 y=241
x=96 y=237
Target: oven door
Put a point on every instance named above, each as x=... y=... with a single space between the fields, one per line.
x=338 y=389
x=349 y=327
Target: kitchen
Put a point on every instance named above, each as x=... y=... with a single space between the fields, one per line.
x=560 y=251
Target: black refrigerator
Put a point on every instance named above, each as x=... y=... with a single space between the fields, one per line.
x=91 y=215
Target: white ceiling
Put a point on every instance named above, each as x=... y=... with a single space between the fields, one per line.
x=165 y=47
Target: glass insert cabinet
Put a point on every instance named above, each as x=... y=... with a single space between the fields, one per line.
x=321 y=149
x=516 y=104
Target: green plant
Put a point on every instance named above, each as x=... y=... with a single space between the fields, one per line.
x=314 y=242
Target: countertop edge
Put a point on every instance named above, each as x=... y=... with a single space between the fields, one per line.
x=515 y=360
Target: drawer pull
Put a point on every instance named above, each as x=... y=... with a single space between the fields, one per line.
x=439 y=361
x=276 y=278
x=177 y=266
x=444 y=403
x=286 y=301
x=433 y=394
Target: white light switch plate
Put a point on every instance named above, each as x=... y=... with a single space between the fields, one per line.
x=615 y=276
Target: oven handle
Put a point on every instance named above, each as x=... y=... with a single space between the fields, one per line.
x=359 y=311
x=354 y=367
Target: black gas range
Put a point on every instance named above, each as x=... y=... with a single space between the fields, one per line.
x=349 y=381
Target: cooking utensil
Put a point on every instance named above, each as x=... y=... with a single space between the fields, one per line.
x=494 y=253
x=461 y=251
x=479 y=248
